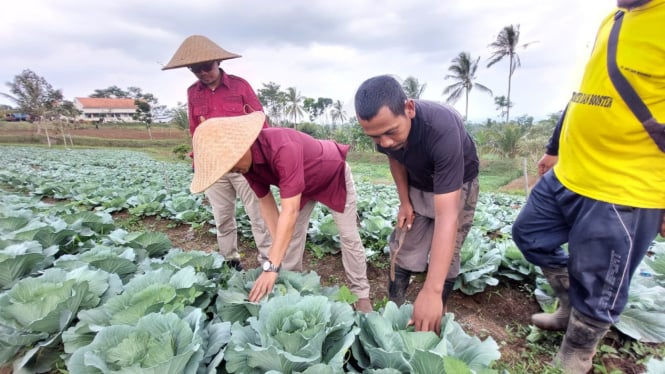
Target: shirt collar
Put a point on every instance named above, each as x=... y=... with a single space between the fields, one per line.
x=224 y=81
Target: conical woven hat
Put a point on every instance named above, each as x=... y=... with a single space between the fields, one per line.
x=197 y=49
x=218 y=145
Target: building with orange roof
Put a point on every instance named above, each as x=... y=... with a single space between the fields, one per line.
x=98 y=109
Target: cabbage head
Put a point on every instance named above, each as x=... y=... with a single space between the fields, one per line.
x=40 y=308
x=386 y=344
x=233 y=301
x=293 y=333
x=158 y=344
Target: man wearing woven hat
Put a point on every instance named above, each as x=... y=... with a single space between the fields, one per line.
x=218 y=94
x=306 y=171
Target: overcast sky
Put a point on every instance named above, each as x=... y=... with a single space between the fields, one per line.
x=322 y=48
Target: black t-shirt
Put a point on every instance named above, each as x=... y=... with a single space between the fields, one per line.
x=439 y=155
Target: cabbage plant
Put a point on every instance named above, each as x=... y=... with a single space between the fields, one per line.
x=293 y=333
x=209 y=263
x=19 y=260
x=37 y=310
x=479 y=263
x=386 y=344
x=157 y=343
x=113 y=259
x=146 y=244
x=233 y=301
x=161 y=290
x=643 y=318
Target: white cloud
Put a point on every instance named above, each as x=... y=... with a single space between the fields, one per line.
x=322 y=48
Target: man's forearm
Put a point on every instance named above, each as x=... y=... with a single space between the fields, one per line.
x=269 y=212
x=284 y=223
x=446 y=210
x=441 y=254
x=282 y=239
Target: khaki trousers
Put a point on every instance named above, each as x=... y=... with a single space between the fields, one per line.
x=353 y=252
x=222 y=196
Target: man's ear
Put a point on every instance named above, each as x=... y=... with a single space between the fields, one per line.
x=410 y=108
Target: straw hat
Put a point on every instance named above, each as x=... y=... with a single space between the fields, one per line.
x=219 y=143
x=196 y=49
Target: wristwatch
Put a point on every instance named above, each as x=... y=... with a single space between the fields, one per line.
x=269 y=266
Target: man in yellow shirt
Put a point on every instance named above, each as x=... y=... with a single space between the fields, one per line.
x=605 y=195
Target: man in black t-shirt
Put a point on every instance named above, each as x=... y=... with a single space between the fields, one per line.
x=435 y=167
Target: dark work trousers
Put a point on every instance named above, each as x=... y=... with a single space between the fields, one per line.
x=606 y=243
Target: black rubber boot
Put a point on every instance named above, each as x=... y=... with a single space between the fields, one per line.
x=397 y=288
x=234 y=264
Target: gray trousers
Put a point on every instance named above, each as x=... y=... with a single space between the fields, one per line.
x=414 y=254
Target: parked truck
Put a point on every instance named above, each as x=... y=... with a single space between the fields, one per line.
x=17 y=117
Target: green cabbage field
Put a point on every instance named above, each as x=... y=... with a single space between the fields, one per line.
x=80 y=294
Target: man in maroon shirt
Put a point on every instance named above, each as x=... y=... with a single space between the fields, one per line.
x=217 y=94
x=306 y=171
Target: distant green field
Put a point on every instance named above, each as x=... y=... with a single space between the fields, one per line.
x=494 y=173
x=366 y=166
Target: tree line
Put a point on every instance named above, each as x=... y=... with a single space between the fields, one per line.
x=289 y=106
x=33 y=95
x=323 y=117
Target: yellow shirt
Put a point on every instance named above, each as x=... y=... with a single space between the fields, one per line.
x=604 y=152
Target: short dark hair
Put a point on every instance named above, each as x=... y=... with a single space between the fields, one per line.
x=377 y=92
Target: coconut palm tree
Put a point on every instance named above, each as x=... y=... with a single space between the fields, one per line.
x=506 y=44
x=338 y=112
x=294 y=105
x=463 y=71
x=413 y=88
x=502 y=105
x=506 y=140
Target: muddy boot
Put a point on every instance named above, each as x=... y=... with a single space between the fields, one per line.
x=558 y=321
x=448 y=286
x=234 y=264
x=576 y=353
x=397 y=287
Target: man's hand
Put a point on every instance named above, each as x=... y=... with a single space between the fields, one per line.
x=546 y=163
x=427 y=311
x=662 y=226
x=405 y=216
x=263 y=286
